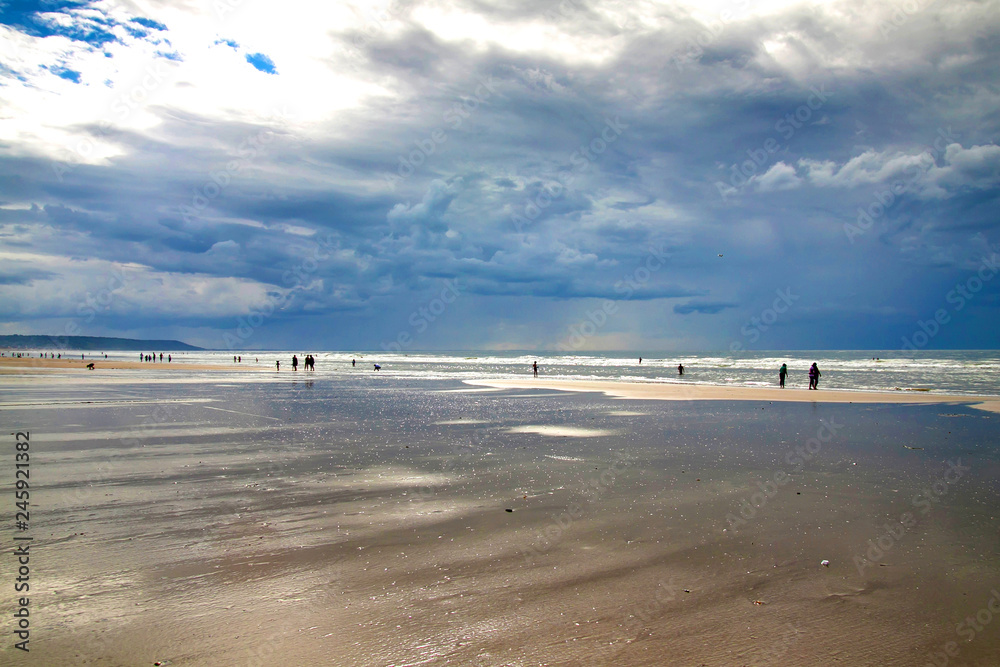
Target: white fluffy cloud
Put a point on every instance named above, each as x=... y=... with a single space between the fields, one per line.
x=92 y=288
x=932 y=173
x=779 y=177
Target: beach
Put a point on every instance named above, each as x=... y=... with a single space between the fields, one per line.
x=700 y=392
x=217 y=516
x=14 y=365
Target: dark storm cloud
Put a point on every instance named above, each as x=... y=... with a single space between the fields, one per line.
x=762 y=139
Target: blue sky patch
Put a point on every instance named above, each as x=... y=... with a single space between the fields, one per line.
x=66 y=73
x=149 y=23
x=261 y=62
x=26 y=16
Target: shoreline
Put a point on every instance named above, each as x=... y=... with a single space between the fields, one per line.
x=14 y=366
x=699 y=392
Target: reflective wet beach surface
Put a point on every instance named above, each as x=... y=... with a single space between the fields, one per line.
x=364 y=521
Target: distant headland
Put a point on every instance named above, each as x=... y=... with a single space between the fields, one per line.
x=103 y=343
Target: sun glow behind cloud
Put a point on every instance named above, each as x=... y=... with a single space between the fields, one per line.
x=183 y=68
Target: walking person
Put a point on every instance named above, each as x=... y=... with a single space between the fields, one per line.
x=814 y=376
x=782 y=372
x=295 y=363
x=534 y=368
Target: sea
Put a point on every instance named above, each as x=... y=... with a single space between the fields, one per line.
x=959 y=372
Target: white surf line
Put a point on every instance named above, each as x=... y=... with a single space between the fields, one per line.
x=237 y=412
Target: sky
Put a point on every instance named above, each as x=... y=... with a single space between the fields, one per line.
x=518 y=175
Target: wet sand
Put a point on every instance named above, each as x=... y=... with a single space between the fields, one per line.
x=13 y=365
x=363 y=521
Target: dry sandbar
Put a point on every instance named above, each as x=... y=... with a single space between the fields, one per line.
x=699 y=392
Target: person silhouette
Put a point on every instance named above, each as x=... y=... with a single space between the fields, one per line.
x=814 y=376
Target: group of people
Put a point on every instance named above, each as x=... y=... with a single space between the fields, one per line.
x=309 y=363
x=782 y=373
x=813 y=376
x=150 y=357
